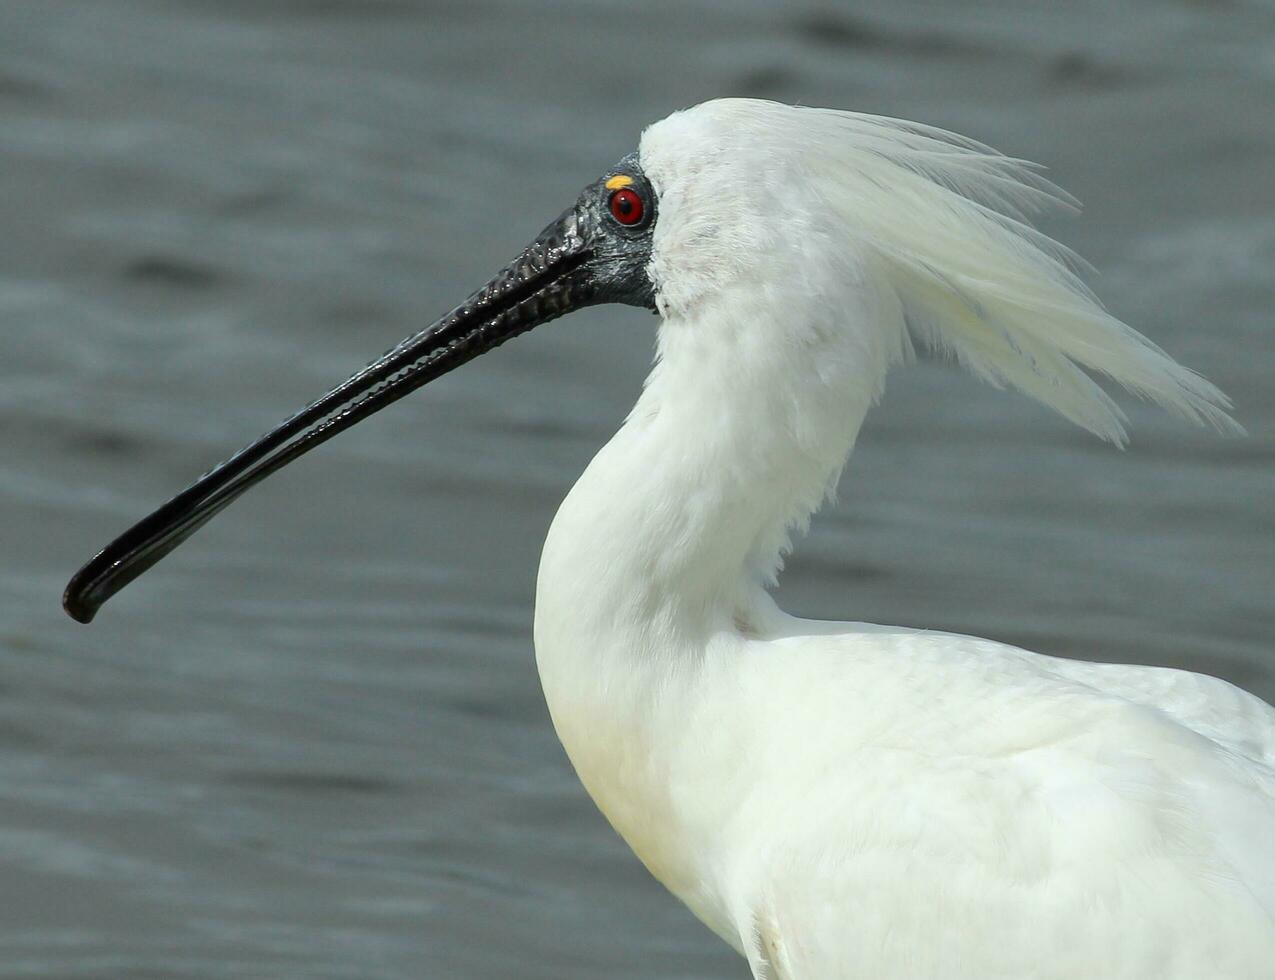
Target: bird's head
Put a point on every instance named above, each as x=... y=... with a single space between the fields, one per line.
x=832 y=224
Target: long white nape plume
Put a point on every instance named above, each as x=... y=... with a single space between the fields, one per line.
x=946 y=217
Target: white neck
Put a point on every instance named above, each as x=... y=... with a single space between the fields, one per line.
x=686 y=512
x=671 y=536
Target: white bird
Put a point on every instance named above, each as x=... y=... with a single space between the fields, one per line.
x=840 y=800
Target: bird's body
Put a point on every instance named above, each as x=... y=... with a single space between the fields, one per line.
x=844 y=800
x=839 y=801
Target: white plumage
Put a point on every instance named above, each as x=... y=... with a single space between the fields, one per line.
x=839 y=800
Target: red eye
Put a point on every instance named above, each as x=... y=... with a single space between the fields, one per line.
x=626 y=207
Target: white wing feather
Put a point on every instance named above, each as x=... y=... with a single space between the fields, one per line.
x=990 y=807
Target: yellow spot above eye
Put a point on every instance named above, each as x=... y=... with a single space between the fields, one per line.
x=619 y=180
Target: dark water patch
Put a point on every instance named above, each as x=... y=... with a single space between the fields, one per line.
x=72 y=437
x=474 y=624
x=17 y=88
x=1168 y=447
x=835 y=30
x=317 y=783
x=503 y=707
x=104 y=442
x=19 y=643
x=14 y=736
x=764 y=82
x=320 y=9
x=261 y=200
x=833 y=567
x=357 y=314
x=1079 y=69
x=126 y=967
x=463 y=862
x=171 y=272
x=530 y=430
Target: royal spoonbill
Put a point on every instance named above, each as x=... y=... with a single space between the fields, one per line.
x=838 y=800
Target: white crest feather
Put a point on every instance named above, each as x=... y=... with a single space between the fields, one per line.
x=943 y=220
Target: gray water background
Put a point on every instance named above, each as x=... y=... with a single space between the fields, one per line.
x=312 y=743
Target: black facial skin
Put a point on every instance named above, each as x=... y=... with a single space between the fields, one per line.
x=621 y=253
x=584 y=258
